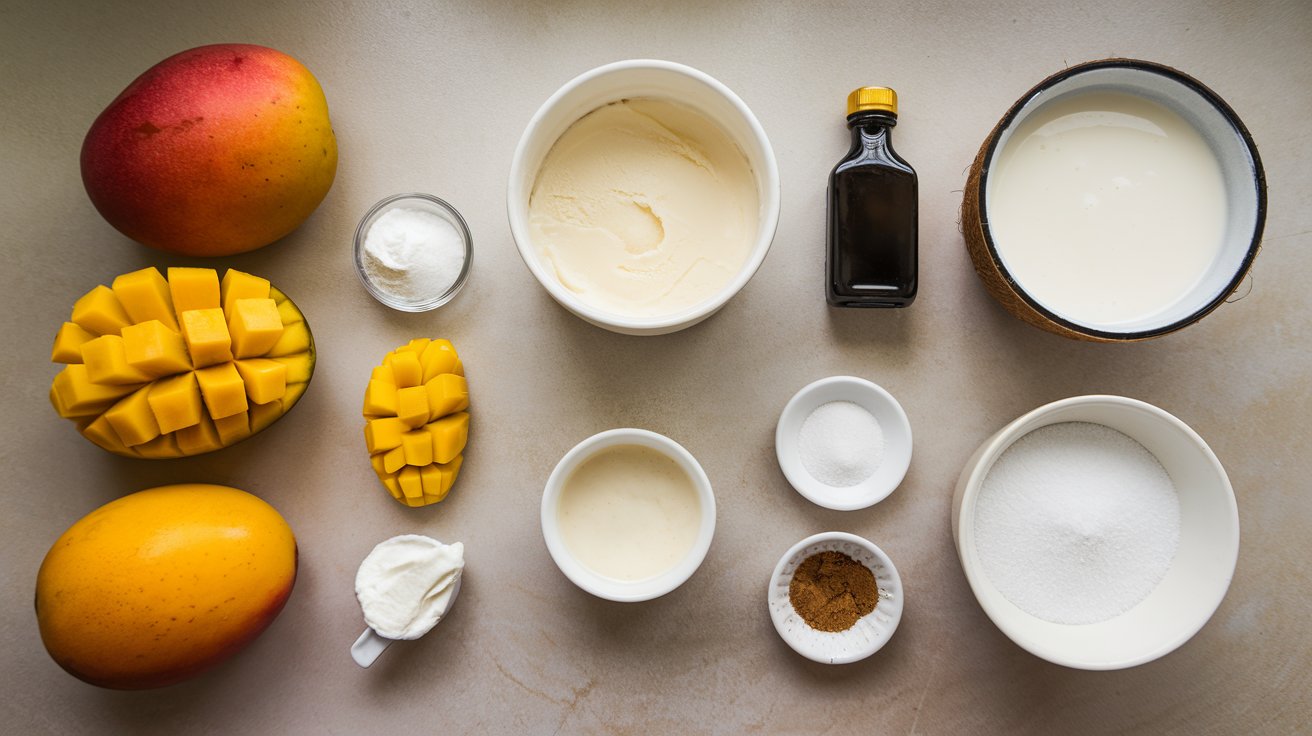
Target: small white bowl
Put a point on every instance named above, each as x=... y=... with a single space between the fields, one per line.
x=870 y=633
x=629 y=79
x=1193 y=586
x=426 y=203
x=610 y=588
x=874 y=399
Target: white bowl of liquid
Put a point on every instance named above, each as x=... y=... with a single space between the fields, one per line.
x=1117 y=200
x=628 y=515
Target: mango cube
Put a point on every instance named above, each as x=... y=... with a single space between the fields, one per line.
x=447 y=394
x=393 y=486
x=380 y=399
x=154 y=349
x=198 y=438
x=68 y=343
x=133 y=420
x=233 y=428
x=293 y=394
x=416 y=345
x=295 y=339
x=107 y=362
x=299 y=366
x=411 y=486
x=383 y=434
x=262 y=415
x=288 y=313
x=238 y=285
x=77 y=395
x=266 y=380
x=162 y=447
x=205 y=332
x=175 y=402
x=383 y=373
x=412 y=406
x=194 y=288
x=406 y=368
x=439 y=357
x=449 y=436
x=224 y=392
x=104 y=436
x=99 y=312
x=255 y=327
x=394 y=460
x=145 y=296
x=418 y=446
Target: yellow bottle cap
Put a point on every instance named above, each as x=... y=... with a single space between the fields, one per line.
x=872 y=98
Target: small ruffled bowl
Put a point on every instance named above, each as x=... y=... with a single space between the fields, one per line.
x=869 y=634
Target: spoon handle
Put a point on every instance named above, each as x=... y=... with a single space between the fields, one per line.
x=369 y=647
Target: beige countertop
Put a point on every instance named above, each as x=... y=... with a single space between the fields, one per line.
x=433 y=97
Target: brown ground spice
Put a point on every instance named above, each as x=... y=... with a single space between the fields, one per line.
x=831 y=591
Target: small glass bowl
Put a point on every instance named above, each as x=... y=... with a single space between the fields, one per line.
x=426 y=203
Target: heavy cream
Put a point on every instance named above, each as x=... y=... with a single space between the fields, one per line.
x=644 y=208
x=1106 y=207
x=629 y=513
x=406 y=584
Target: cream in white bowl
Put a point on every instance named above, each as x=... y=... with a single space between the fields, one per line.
x=643 y=195
x=1194 y=581
x=628 y=515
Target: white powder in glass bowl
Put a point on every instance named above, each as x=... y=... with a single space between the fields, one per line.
x=413 y=255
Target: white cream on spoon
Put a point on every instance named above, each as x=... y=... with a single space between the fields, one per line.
x=405 y=587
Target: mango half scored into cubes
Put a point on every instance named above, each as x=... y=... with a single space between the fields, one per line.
x=416 y=420
x=166 y=368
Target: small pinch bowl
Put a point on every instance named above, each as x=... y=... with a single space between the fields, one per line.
x=870 y=633
x=1195 y=583
x=426 y=203
x=874 y=399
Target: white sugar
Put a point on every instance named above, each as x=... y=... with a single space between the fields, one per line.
x=412 y=254
x=841 y=444
x=1076 y=523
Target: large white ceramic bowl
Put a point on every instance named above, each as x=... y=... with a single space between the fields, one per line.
x=1193 y=586
x=629 y=79
x=601 y=585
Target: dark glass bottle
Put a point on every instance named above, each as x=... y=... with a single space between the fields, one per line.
x=872 y=254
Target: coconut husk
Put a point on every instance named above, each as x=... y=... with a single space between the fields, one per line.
x=1003 y=289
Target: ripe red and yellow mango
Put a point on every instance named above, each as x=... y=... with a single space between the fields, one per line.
x=214 y=151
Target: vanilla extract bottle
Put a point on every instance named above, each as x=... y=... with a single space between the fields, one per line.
x=871 y=256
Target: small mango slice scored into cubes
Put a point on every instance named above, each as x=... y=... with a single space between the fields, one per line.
x=158 y=367
x=416 y=421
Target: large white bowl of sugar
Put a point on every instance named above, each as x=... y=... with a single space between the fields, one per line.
x=1097 y=532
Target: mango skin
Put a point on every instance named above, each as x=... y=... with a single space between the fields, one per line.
x=214 y=151
x=163 y=584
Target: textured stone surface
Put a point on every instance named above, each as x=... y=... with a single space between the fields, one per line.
x=433 y=97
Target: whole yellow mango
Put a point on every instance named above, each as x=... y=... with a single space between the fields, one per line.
x=214 y=151
x=163 y=584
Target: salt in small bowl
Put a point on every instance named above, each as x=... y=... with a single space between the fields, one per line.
x=881 y=405
x=869 y=634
